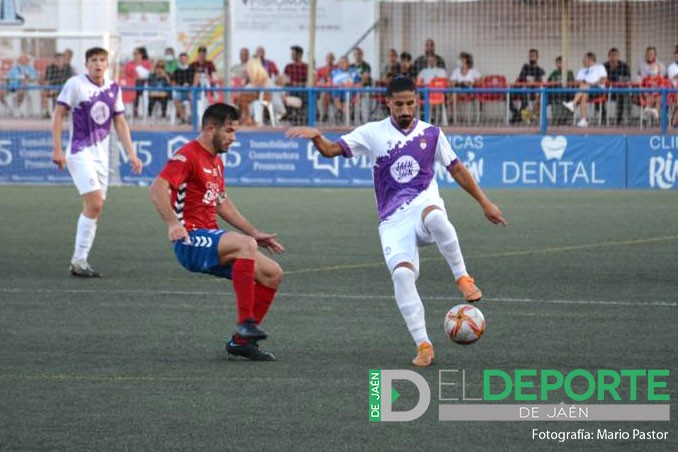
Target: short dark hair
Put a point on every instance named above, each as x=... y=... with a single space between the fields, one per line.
x=559 y=58
x=399 y=84
x=591 y=56
x=298 y=49
x=468 y=57
x=217 y=114
x=202 y=49
x=534 y=51
x=95 y=51
x=183 y=54
x=406 y=56
x=613 y=49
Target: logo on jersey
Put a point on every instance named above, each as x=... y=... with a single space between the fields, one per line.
x=100 y=112
x=405 y=169
x=211 y=194
x=179 y=158
x=423 y=143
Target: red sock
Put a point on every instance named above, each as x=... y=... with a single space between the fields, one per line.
x=243 y=286
x=263 y=297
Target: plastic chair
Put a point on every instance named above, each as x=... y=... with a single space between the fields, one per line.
x=495 y=82
x=651 y=81
x=437 y=99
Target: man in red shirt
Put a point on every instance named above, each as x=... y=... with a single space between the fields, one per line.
x=188 y=194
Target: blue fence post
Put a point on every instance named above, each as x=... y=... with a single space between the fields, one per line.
x=427 y=105
x=543 y=107
x=310 y=116
x=665 y=110
x=195 y=121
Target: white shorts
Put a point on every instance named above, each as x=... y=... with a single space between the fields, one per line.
x=402 y=238
x=88 y=175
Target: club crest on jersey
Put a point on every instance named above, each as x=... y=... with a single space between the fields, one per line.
x=422 y=143
x=211 y=194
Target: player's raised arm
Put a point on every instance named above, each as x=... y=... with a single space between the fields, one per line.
x=466 y=181
x=326 y=147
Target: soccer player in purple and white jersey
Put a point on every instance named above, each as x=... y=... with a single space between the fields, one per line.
x=403 y=151
x=95 y=103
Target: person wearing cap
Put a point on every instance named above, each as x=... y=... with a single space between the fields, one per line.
x=203 y=68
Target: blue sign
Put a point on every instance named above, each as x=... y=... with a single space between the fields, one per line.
x=652 y=162
x=495 y=161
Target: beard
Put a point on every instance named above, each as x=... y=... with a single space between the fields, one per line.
x=219 y=145
x=404 y=121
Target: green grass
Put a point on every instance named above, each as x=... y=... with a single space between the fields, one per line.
x=135 y=361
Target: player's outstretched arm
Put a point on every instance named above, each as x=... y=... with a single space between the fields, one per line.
x=326 y=147
x=160 y=197
x=230 y=213
x=466 y=181
x=58 y=157
x=122 y=129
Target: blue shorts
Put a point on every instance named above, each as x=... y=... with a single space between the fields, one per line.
x=202 y=254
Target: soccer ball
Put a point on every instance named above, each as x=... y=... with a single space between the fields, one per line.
x=464 y=324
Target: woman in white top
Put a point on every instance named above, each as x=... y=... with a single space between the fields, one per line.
x=464 y=76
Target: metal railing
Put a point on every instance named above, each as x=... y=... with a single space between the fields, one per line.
x=200 y=97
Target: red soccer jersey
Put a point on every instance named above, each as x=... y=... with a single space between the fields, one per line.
x=196 y=179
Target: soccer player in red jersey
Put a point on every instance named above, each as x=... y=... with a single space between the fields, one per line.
x=188 y=194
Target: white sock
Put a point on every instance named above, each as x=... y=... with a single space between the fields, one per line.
x=409 y=303
x=84 y=237
x=446 y=239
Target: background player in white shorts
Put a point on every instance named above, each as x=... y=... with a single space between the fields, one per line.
x=403 y=152
x=94 y=103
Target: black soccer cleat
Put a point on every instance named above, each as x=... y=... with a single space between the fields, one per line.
x=83 y=270
x=250 y=330
x=249 y=350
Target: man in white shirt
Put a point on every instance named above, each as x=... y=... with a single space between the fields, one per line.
x=431 y=71
x=672 y=74
x=402 y=151
x=591 y=76
x=95 y=104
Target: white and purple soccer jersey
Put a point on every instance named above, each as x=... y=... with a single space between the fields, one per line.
x=92 y=110
x=403 y=161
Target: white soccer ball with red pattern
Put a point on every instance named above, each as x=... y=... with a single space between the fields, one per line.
x=464 y=324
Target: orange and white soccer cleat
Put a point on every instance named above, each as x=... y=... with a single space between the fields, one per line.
x=424 y=356
x=467 y=286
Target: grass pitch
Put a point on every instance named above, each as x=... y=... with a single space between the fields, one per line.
x=135 y=361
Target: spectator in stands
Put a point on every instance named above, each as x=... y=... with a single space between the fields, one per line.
x=617 y=72
x=323 y=77
x=158 y=88
x=406 y=67
x=672 y=74
x=344 y=75
x=55 y=76
x=269 y=65
x=591 y=77
x=297 y=70
x=297 y=75
x=68 y=57
x=650 y=67
x=555 y=80
x=463 y=76
x=171 y=62
x=22 y=73
x=531 y=73
x=363 y=68
x=392 y=67
x=431 y=71
x=240 y=70
x=203 y=69
x=138 y=70
x=422 y=61
x=182 y=77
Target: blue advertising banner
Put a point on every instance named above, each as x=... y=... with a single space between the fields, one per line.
x=652 y=162
x=270 y=159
